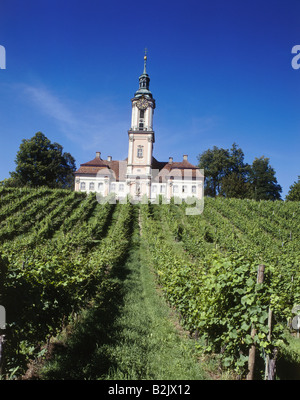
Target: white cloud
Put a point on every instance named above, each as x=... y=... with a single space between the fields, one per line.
x=88 y=126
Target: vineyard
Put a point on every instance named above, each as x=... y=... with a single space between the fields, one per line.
x=58 y=249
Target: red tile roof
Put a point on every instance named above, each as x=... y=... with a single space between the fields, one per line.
x=118 y=168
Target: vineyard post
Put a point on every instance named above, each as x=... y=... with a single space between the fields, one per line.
x=251 y=360
x=269 y=339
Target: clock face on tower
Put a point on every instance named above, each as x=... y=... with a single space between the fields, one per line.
x=142 y=104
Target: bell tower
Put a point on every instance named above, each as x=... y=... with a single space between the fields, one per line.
x=141 y=138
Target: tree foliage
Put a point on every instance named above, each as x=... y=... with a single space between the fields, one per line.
x=294 y=192
x=263 y=180
x=236 y=185
x=216 y=164
x=227 y=174
x=225 y=171
x=42 y=163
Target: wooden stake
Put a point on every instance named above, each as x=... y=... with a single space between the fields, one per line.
x=272 y=366
x=251 y=360
x=269 y=339
x=260 y=273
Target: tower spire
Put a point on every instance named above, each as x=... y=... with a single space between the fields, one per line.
x=145 y=60
x=144 y=81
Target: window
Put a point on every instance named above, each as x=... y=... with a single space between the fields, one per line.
x=193 y=189
x=142 y=113
x=100 y=186
x=162 y=189
x=184 y=188
x=140 y=152
x=92 y=186
x=175 y=189
x=121 y=187
x=154 y=189
x=113 y=187
x=82 y=186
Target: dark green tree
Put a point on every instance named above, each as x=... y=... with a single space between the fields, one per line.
x=236 y=181
x=215 y=163
x=236 y=161
x=294 y=192
x=236 y=185
x=263 y=181
x=42 y=163
x=225 y=172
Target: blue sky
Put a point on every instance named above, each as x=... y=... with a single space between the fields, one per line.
x=220 y=73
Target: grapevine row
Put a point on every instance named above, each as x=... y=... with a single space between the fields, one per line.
x=214 y=287
x=42 y=285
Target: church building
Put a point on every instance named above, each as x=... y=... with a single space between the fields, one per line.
x=140 y=174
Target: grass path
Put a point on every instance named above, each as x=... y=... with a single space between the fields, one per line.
x=127 y=333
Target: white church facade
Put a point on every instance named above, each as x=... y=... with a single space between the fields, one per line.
x=140 y=175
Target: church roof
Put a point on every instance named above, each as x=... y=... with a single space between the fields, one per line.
x=97 y=166
x=176 y=169
x=96 y=162
x=179 y=165
x=117 y=168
